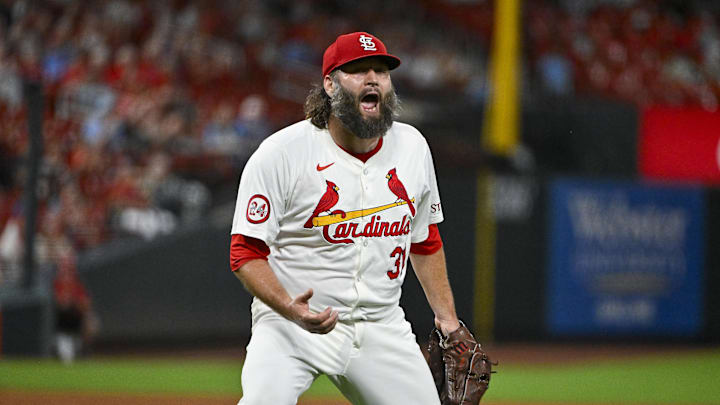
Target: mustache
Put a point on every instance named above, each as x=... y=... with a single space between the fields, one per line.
x=371 y=90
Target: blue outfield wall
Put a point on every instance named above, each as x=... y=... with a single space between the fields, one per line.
x=611 y=260
x=625 y=259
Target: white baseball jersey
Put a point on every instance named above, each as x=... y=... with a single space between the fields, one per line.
x=335 y=224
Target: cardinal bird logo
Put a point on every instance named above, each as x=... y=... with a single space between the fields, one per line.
x=327 y=201
x=398 y=189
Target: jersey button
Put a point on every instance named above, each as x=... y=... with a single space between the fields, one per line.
x=365 y=243
x=365 y=171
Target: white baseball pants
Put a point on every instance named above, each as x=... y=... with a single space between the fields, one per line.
x=371 y=363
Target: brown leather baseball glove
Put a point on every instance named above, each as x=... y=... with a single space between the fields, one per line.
x=460 y=368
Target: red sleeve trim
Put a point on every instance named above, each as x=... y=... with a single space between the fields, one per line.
x=432 y=244
x=244 y=248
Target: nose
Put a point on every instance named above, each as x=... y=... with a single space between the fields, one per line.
x=371 y=77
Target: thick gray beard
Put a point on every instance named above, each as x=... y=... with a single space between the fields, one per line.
x=346 y=107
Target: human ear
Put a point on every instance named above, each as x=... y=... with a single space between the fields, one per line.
x=328 y=85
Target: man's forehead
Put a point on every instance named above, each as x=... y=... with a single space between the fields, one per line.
x=363 y=64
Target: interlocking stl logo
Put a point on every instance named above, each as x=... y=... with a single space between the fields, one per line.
x=367 y=43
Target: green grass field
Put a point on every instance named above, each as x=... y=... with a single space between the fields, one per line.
x=654 y=379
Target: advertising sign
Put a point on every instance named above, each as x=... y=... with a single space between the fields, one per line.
x=625 y=259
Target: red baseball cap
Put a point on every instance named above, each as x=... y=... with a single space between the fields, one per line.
x=354 y=46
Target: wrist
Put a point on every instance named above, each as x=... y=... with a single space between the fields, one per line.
x=285 y=308
x=447 y=325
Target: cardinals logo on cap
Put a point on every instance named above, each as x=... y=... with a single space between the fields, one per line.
x=367 y=43
x=345 y=49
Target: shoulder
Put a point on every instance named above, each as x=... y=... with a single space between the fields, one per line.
x=283 y=152
x=406 y=130
x=290 y=137
x=407 y=136
x=293 y=141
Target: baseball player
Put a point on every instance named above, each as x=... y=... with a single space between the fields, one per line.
x=328 y=212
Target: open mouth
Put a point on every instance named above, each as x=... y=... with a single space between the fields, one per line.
x=369 y=102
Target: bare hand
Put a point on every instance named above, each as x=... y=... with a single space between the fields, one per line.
x=321 y=323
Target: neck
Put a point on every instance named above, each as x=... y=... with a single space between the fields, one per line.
x=347 y=140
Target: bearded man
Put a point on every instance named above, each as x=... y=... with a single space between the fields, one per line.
x=328 y=212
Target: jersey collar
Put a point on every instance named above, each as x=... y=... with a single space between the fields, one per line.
x=367 y=155
x=351 y=157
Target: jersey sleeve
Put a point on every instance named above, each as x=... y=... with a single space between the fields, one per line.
x=262 y=194
x=243 y=249
x=432 y=244
x=429 y=209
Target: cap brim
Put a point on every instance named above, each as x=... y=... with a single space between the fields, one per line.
x=391 y=60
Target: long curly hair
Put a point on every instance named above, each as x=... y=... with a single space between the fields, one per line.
x=317 y=105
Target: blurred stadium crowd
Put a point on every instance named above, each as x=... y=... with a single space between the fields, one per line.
x=644 y=52
x=152 y=106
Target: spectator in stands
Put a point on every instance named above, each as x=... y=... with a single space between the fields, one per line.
x=188 y=200
x=556 y=73
x=220 y=134
x=251 y=123
x=11 y=250
x=75 y=323
x=10 y=80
